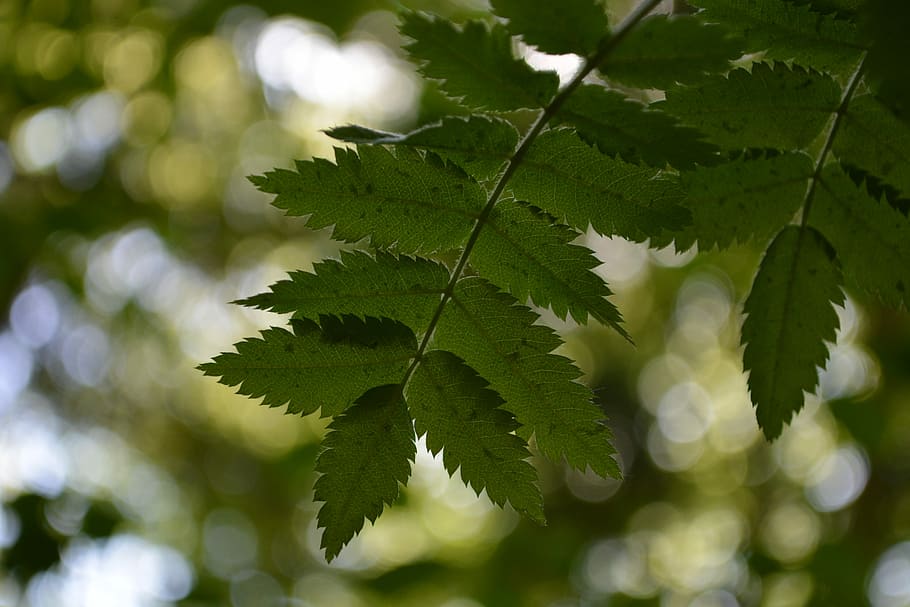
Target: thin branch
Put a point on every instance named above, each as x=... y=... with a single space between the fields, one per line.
x=839 y=115
x=606 y=47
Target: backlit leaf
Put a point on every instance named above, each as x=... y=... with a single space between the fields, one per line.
x=462 y=418
x=366 y=455
x=402 y=201
x=664 y=50
x=476 y=64
x=769 y=107
x=325 y=366
x=497 y=337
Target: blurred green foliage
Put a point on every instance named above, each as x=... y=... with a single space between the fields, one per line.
x=126 y=131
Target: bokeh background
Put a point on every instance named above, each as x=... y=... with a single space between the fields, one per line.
x=127 y=128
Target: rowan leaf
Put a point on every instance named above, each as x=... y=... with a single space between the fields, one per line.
x=462 y=418
x=619 y=126
x=326 y=365
x=788 y=31
x=743 y=200
x=366 y=455
x=527 y=253
x=665 y=50
x=497 y=337
x=789 y=318
x=874 y=139
x=769 y=107
x=402 y=201
x=479 y=144
x=871 y=237
x=567 y=26
x=580 y=186
x=475 y=64
x=401 y=288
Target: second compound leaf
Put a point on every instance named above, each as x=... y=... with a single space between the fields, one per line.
x=790 y=316
x=743 y=199
x=769 y=107
x=872 y=238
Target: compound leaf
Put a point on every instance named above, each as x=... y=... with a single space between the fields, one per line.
x=527 y=253
x=790 y=317
x=769 y=107
x=788 y=31
x=496 y=336
x=567 y=26
x=743 y=199
x=580 y=186
x=619 y=126
x=325 y=366
x=476 y=64
x=401 y=201
x=479 y=144
x=401 y=288
x=664 y=50
x=366 y=454
x=871 y=237
x=462 y=418
x=874 y=139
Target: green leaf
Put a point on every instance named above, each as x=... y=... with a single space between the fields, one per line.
x=497 y=337
x=580 y=186
x=871 y=237
x=405 y=289
x=790 y=317
x=619 y=126
x=664 y=50
x=461 y=417
x=743 y=200
x=480 y=145
x=787 y=31
x=567 y=26
x=313 y=367
x=367 y=453
x=402 y=201
x=874 y=139
x=527 y=253
x=771 y=107
x=476 y=64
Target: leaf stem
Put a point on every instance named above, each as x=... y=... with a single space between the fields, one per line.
x=839 y=115
x=606 y=47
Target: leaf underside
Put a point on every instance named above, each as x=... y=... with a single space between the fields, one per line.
x=471 y=219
